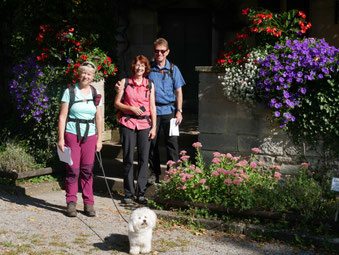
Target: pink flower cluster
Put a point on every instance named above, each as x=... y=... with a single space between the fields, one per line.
x=242 y=163
x=197 y=145
x=277 y=175
x=256 y=150
x=185 y=177
x=170 y=163
x=306 y=165
x=183 y=152
x=185 y=157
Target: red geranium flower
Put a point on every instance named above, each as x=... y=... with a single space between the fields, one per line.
x=245 y=11
x=301 y=14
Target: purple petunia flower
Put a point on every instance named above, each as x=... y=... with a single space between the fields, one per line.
x=278 y=105
x=287 y=115
x=325 y=70
x=303 y=90
x=286 y=94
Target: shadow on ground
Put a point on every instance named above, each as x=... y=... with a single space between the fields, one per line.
x=114 y=242
x=31 y=201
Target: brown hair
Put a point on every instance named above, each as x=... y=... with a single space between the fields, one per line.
x=161 y=41
x=143 y=60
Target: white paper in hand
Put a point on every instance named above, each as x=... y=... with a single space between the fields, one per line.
x=65 y=156
x=174 y=128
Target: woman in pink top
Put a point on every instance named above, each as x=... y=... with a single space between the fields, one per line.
x=137 y=126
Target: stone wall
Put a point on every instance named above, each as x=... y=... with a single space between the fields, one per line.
x=225 y=127
x=325 y=24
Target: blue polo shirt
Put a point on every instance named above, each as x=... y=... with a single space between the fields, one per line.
x=164 y=87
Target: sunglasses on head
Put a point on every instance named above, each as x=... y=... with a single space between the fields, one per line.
x=88 y=64
x=158 y=51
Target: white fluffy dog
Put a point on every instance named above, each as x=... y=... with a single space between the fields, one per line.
x=140 y=227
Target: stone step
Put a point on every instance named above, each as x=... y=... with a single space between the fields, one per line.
x=114 y=149
x=113 y=168
x=117 y=184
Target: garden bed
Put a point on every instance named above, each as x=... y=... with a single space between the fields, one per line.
x=286 y=216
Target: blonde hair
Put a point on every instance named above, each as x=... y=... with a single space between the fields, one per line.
x=88 y=65
x=161 y=41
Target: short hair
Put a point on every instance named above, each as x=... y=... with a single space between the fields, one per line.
x=161 y=41
x=143 y=60
x=88 y=65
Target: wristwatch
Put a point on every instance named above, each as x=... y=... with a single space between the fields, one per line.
x=179 y=110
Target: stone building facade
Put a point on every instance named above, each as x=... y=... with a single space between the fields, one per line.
x=228 y=127
x=196 y=31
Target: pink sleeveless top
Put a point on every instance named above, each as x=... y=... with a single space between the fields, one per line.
x=137 y=95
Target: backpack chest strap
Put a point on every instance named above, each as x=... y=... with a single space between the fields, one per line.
x=77 y=125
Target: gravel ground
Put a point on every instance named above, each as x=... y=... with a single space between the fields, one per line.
x=37 y=225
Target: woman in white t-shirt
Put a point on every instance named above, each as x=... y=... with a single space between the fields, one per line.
x=80 y=129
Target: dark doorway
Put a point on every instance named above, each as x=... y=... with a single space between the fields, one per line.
x=188 y=33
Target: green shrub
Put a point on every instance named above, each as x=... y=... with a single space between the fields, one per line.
x=245 y=184
x=15 y=159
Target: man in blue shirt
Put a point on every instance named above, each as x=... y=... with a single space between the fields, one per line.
x=168 y=81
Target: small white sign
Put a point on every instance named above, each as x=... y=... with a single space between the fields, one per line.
x=335 y=184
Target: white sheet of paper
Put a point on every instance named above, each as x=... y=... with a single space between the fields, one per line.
x=174 y=128
x=65 y=156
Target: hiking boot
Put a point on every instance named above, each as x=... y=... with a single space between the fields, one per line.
x=89 y=210
x=71 y=210
x=128 y=200
x=142 y=200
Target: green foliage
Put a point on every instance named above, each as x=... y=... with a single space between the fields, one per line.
x=267 y=29
x=93 y=20
x=14 y=158
x=246 y=184
x=60 y=35
x=318 y=116
x=304 y=194
x=39 y=179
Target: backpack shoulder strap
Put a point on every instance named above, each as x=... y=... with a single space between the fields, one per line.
x=125 y=87
x=71 y=96
x=149 y=85
x=171 y=70
x=94 y=92
x=126 y=84
x=71 y=90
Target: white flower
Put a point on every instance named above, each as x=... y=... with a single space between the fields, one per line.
x=239 y=81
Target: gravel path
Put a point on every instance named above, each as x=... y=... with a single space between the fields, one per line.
x=37 y=225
